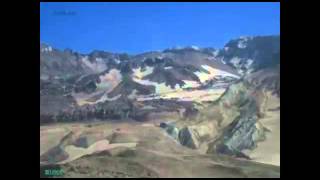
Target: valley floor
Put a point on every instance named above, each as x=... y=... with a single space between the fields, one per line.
x=131 y=149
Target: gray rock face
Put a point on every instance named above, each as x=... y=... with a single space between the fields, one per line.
x=127 y=85
x=54 y=155
x=242 y=133
x=187 y=137
x=194 y=135
x=87 y=139
x=171 y=130
x=241 y=107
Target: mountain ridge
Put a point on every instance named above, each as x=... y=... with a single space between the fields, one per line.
x=100 y=76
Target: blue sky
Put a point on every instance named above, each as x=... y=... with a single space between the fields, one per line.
x=140 y=27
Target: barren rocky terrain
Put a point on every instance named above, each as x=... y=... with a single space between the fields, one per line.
x=137 y=150
x=180 y=112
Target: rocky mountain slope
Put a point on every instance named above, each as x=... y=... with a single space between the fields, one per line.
x=247 y=114
x=71 y=80
x=248 y=54
x=196 y=102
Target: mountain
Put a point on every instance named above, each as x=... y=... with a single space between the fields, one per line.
x=71 y=80
x=201 y=112
x=248 y=54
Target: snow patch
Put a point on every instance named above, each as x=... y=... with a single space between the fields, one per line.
x=242 y=45
x=190 y=84
x=248 y=63
x=212 y=73
x=243 y=41
x=137 y=73
x=235 y=61
x=117 y=61
x=195 y=47
x=215 y=53
x=106 y=98
x=160 y=87
x=46 y=49
x=241 y=63
x=133 y=94
x=95 y=66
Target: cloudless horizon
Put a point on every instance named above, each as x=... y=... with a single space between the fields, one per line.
x=140 y=27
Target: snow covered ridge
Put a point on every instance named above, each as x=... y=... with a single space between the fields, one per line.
x=185 y=47
x=194 y=47
x=243 y=41
x=248 y=53
x=242 y=44
x=256 y=49
x=46 y=49
x=246 y=37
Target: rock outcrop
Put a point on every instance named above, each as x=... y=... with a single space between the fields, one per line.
x=188 y=137
x=243 y=133
x=171 y=129
x=242 y=107
x=194 y=135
